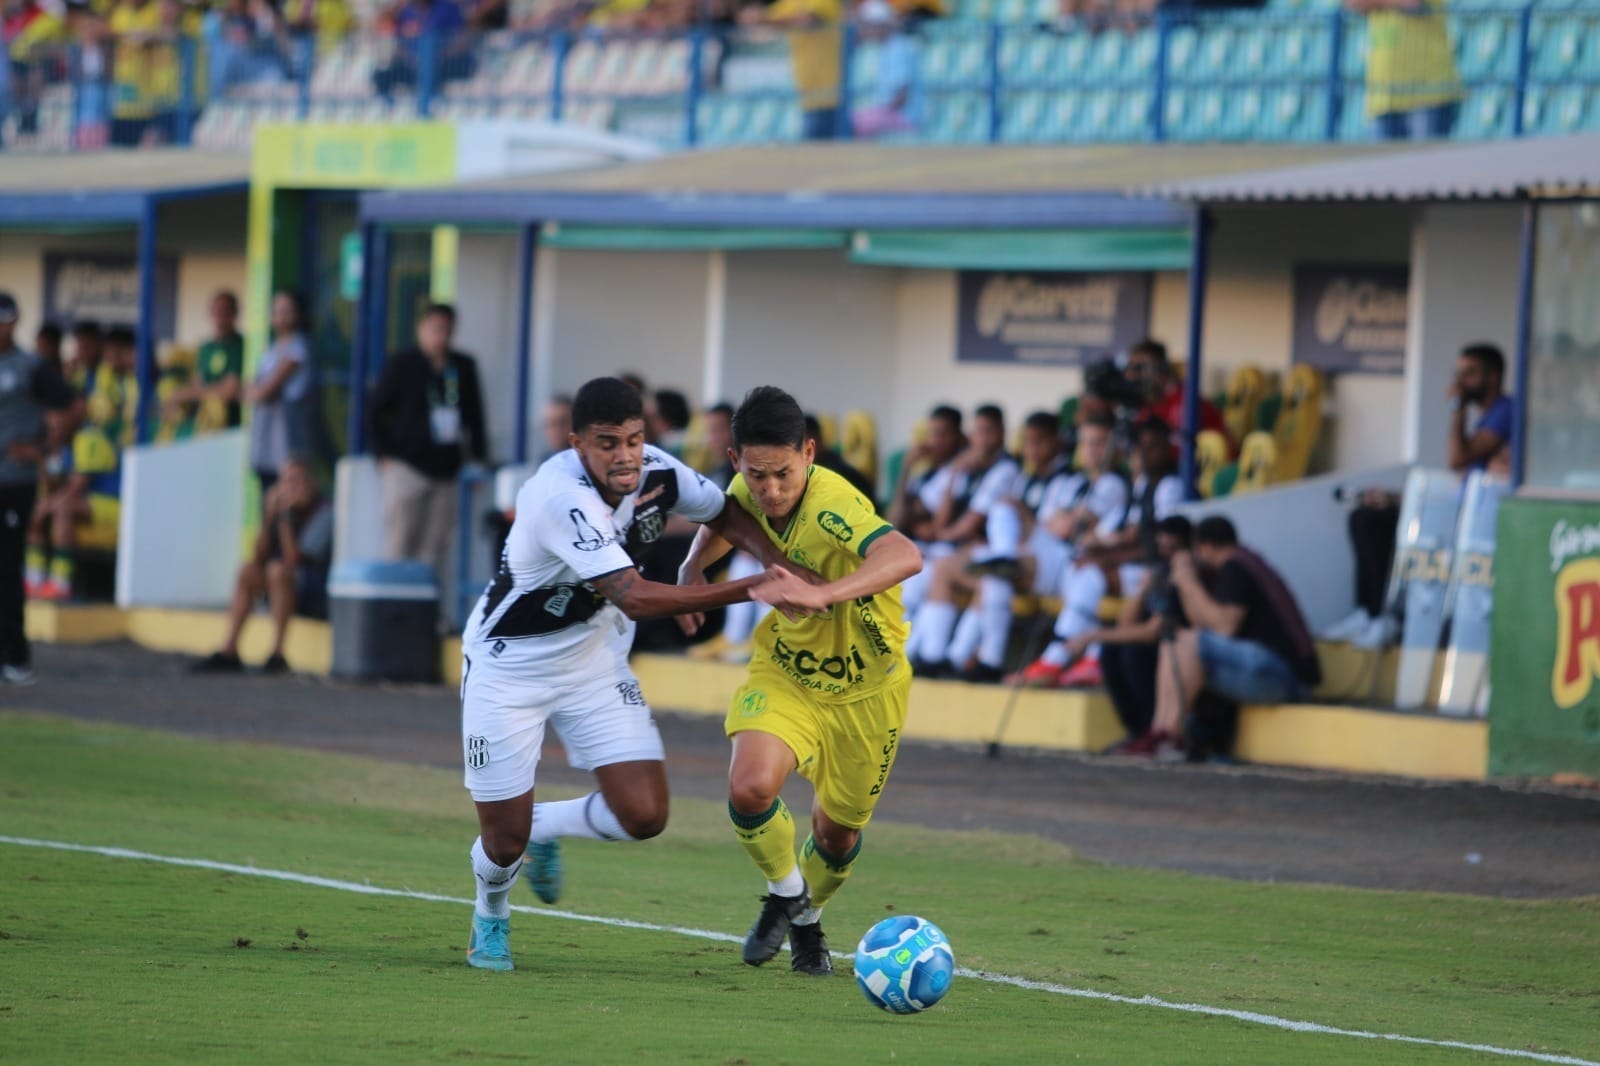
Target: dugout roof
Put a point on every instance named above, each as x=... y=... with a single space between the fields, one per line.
x=111 y=186
x=1014 y=207
x=1496 y=170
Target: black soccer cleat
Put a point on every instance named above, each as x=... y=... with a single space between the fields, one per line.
x=767 y=935
x=808 y=946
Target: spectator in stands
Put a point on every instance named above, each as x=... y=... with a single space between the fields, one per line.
x=284 y=394
x=669 y=421
x=1413 y=90
x=439 y=23
x=893 y=100
x=813 y=28
x=241 y=47
x=1479 y=439
x=1128 y=649
x=1247 y=641
x=89 y=495
x=113 y=405
x=148 y=72
x=31 y=34
x=288 y=566
x=555 y=424
x=212 y=394
x=1021 y=548
x=719 y=441
x=1107 y=563
x=90 y=72
x=28 y=389
x=427 y=422
x=967 y=489
x=1149 y=368
x=47 y=344
x=325 y=22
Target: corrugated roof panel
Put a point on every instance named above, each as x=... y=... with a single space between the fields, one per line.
x=141 y=171
x=1535 y=166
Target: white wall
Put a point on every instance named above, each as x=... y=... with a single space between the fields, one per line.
x=812 y=323
x=198 y=479
x=487 y=276
x=1463 y=289
x=614 y=311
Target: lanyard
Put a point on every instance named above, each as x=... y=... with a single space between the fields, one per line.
x=451 y=396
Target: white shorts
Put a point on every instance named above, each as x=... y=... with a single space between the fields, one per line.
x=1051 y=559
x=601 y=718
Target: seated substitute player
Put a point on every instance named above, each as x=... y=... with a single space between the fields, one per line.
x=548 y=642
x=828 y=683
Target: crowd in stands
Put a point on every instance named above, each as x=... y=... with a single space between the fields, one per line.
x=128 y=60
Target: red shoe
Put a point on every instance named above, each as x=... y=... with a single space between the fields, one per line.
x=1085 y=673
x=1038 y=674
x=1145 y=745
x=51 y=590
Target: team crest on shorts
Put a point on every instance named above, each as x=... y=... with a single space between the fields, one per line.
x=477 y=752
x=629 y=691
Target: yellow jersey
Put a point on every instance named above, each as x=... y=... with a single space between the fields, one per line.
x=814 y=51
x=1410 y=63
x=855 y=649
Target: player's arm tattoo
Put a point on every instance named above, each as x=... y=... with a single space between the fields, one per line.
x=616 y=586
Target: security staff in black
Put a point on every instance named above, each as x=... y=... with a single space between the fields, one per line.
x=28 y=388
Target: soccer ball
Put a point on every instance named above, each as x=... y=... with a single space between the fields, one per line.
x=904 y=964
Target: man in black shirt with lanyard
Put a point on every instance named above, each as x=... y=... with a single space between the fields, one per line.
x=427 y=422
x=28 y=388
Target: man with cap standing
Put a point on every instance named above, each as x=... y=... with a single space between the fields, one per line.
x=28 y=387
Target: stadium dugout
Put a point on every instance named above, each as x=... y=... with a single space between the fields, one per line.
x=140 y=238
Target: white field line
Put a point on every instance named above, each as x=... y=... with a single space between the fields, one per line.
x=1251 y=1017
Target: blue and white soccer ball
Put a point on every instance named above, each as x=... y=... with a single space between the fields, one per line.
x=904 y=964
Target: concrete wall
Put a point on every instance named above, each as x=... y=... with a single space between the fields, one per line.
x=1463 y=289
x=486 y=288
x=823 y=328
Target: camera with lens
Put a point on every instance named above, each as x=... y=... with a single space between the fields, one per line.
x=1103 y=380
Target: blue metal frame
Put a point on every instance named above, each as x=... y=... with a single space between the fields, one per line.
x=1193 y=377
x=1520 y=368
x=527 y=255
x=145 y=366
x=356 y=429
x=776 y=210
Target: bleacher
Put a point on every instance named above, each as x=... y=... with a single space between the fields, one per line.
x=997 y=71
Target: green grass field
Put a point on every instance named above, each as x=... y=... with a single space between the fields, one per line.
x=111 y=959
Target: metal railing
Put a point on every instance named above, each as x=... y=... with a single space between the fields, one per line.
x=1259 y=76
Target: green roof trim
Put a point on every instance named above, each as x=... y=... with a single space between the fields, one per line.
x=1081 y=249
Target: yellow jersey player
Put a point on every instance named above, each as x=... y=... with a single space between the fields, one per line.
x=829 y=680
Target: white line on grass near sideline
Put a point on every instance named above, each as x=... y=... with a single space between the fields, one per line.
x=709 y=934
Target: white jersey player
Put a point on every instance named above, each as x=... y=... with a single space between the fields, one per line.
x=549 y=641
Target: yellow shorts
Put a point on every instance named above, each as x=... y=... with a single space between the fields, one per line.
x=100 y=532
x=845 y=750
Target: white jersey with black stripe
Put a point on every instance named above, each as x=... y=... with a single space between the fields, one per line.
x=540 y=610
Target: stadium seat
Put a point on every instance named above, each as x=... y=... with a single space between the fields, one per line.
x=1211 y=455
x=1486 y=46
x=958 y=118
x=1485 y=113
x=1023 y=117
x=1556 y=41
x=1299 y=424
x=1240 y=407
x=1258 y=459
x=1225 y=481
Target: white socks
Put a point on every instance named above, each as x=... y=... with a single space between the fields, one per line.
x=494 y=882
x=930 y=631
x=742 y=618
x=791 y=885
x=994 y=610
x=811 y=916
x=587 y=817
x=969 y=631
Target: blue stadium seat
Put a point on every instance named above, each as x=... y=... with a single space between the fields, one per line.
x=721 y=120
x=1032 y=58
x=1285 y=115
x=1183 y=46
x=1557 y=42
x=1214 y=54
x=1354 y=56
x=1486 y=46
x=864 y=67
x=1010 y=10
x=1354 y=125
x=1061 y=116
x=1485 y=113
x=1565 y=110
x=957 y=118
x=1022 y=116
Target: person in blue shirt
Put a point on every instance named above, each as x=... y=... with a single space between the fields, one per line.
x=443 y=22
x=894 y=99
x=1480 y=412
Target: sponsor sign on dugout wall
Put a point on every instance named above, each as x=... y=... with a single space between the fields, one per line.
x=1049 y=317
x=1544 y=707
x=1351 y=319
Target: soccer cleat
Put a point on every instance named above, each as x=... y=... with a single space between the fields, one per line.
x=808 y=948
x=1379 y=633
x=1000 y=566
x=51 y=591
x=18 y=675
x=218 y=662
x=275 y=664
x=1348 y=628
x=490 y=946
x=1085 y=673
x=1039 y=674
x=541 y=868
x=767 y=935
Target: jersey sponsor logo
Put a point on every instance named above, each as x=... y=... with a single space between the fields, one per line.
x=589 y=538
x=557 y=604
x=496 y=649
x=836 y=527
x=869 y=625
x=889 y=747
x=477 y=752
x=804 y=666
x=630 y=693
x=1577 y=632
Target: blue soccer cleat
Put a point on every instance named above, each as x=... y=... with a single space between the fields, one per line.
x=490 y=946
x=541 y=868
